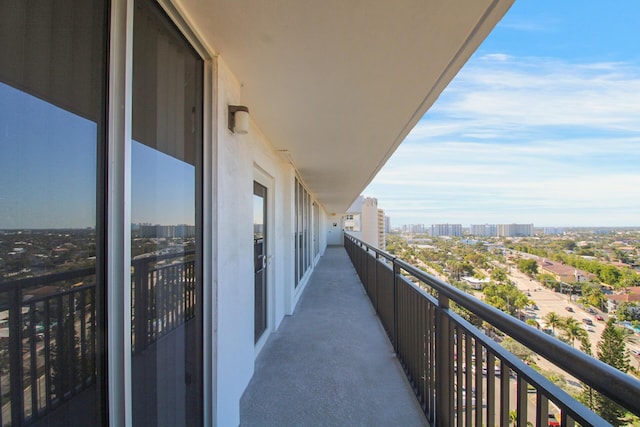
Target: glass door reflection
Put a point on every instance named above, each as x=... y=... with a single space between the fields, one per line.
x=166 y=235
x=260 y=259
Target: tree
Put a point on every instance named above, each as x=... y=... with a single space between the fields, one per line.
x=533 y=322
x=588 y=394
x=572 y=329
x=499 y=275
x=612 y=351
x=553 y=320
x=592 y=295
x=629 y=278
x=629 y=311
x=505 y=297
x=610 y=275
x=528 y=266
x=520 y=351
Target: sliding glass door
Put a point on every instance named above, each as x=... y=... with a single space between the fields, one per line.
x=166 y=229
x=52 y=187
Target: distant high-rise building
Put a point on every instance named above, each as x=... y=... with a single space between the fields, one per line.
x=387 y=224
x=515 y=230
x=381 y=230
x=166 y=231
x=414 y=228
x=554 y=230
x=365 y=221
x=446 y=230
x=484 y=230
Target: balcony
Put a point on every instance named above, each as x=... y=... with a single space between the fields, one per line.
x=330 y=363
x=327 y=363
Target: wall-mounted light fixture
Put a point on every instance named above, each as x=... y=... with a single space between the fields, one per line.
x=238 y=119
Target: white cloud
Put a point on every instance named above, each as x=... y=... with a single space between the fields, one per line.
x=543 y=92
x=525 y=140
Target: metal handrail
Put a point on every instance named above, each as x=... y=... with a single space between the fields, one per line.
x=618 y=386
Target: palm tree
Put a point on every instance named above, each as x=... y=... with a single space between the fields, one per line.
x=553 y=320
x=513 y=417
x=572 y=329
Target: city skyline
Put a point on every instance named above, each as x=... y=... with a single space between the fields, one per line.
x=540 y=126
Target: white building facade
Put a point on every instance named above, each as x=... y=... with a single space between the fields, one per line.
x=515 y=230
x=446 y=230
x=484 y=230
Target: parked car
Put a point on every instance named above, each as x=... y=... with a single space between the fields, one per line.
x=600 y=318
x=569 y=308
x=590 y=310
x=587 y=321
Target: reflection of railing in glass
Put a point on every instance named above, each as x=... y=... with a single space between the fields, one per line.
x=48 y=330
x=164 y=297
x=47 y=343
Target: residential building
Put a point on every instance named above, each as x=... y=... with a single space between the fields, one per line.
x=382 y=229
x=515 y=230
x=352 y=222
x=365 y=221
x=446 y=230
x=564 y=273
x=244 y=130
x=414 y=228
x=631 y=294
x=484 y=230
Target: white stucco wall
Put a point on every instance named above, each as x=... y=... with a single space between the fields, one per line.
x=234 y=343
x=369 y=223
x=240 y=160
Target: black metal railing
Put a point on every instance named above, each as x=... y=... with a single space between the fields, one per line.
x=47 y=344
x=48 y=330
x=460 y=375
x=164 y=296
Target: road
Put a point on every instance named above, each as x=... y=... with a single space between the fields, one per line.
x=548 y=300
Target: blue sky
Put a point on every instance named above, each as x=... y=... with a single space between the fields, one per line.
x=542 y=126
x=48 y=171
x=47 y=164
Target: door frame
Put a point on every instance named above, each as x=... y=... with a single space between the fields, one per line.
x=263 y=178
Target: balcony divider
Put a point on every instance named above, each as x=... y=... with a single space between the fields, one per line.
x=461 y=375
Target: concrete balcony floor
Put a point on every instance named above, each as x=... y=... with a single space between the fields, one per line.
x=330 y=363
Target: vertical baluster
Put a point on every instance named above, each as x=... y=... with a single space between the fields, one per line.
x=33 y=360
x=60 y=365
x=504 y=394
x=522 y=394
x=396 y=275
x=15 y=356
x=491 y=389
x=71 y=331
x=443 y=365
x=542 y=409
x=83 y=337
x=47 y=351
x=472 y=402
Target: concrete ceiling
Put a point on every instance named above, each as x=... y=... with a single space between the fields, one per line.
x=339 y=84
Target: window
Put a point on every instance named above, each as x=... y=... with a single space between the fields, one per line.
x=166 y=233
x=303 y=231
x=52 y=184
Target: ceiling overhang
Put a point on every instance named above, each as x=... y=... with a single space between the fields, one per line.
x=338 y=84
